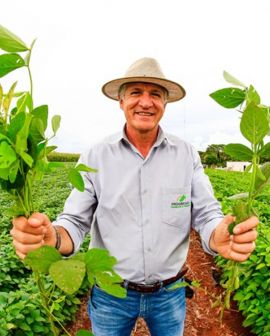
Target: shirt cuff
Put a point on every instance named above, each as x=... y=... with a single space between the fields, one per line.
x=206 y=235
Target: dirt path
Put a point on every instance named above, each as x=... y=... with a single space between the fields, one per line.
x=201 y=320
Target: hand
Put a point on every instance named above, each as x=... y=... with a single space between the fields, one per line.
x=32 y=233
x=238 y=246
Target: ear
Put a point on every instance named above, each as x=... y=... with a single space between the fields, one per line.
x=121 y=103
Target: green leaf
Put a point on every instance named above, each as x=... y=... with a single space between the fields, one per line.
x=4 y=174
x=232 y=80
x=254 y=123
x=4 y=137
x=37 y=131
x=265 y=151
x=231 y=227
x=1 y=95
x=240 y=210
x=10 y=62
x=68 y=274
x=79 y=256
x=24 y=103
x=84 y=168
x=22 y=135
x=50 y=149
x=18 y=94
x=10 y=42
x=56 y=123
x=252 y=96
x=248 y=168
x=7 y=155
x=239 y=152
x=239 y=196
x=83 y=332
x=75 y=179
x=229 y=97
x=8 y=98
x=42 y=112
x=27 y=158
x=42 y=258
x=179 y=285
x=15 y=125
x=259 y=174
x=99 y=260
x=114 y=289
x=40 y=149
x=259 y=183
x=41 y=167
x=13 y=171
x=267 y=260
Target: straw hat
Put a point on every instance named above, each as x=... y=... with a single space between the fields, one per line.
x=145 y=70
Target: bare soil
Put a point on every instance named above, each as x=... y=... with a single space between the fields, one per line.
x=201 y=319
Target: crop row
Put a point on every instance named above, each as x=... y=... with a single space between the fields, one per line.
x=253 y=293
x=20 y=308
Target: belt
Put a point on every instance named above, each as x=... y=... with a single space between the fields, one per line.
x=154 y=287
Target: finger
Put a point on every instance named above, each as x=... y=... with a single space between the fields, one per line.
x=26 y=238
x=21 y=224
x=222 y=228
x=40 y=218
x=228 y=219
x=246 y=237
x=24 y=249
x=247 y=225
x=243 y=248
x=20 y=255
x=240 y=257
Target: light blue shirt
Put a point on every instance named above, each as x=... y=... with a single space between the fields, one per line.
x=142 y=209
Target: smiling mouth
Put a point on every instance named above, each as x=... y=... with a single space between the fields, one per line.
x=147 y=114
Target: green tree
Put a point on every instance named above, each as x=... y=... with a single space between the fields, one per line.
x=216 y=154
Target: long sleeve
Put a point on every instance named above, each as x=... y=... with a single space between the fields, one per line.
x=206 y=210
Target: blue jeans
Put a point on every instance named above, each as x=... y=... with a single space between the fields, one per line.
x=164 y=312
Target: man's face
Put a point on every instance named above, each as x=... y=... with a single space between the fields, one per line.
x=143 y=105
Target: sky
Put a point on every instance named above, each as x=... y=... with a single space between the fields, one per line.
x=83 y=44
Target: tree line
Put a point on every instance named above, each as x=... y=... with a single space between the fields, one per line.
x=215 y=156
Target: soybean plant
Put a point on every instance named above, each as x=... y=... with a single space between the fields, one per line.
x=24 y=147
x=254 y=126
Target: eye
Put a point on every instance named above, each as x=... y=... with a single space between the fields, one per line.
x=157 y=94
x=135 y=93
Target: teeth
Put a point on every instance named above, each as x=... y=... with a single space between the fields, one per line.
x=145 y=113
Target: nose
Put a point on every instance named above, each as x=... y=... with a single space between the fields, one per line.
x=146 y=100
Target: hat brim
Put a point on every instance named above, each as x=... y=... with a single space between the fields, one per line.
x=175 y=90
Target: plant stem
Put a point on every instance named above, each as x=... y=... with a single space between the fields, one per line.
x=40 y=283
x=28 y=67
x=253 y=179
x=31 y=81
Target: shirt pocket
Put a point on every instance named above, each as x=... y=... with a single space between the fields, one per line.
x=176 y=206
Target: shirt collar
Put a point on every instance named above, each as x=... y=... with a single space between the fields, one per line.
x=162 y=137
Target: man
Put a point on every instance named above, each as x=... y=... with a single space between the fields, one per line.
x=149 y=189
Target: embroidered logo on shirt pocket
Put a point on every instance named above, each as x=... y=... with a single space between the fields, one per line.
x=176 y=204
